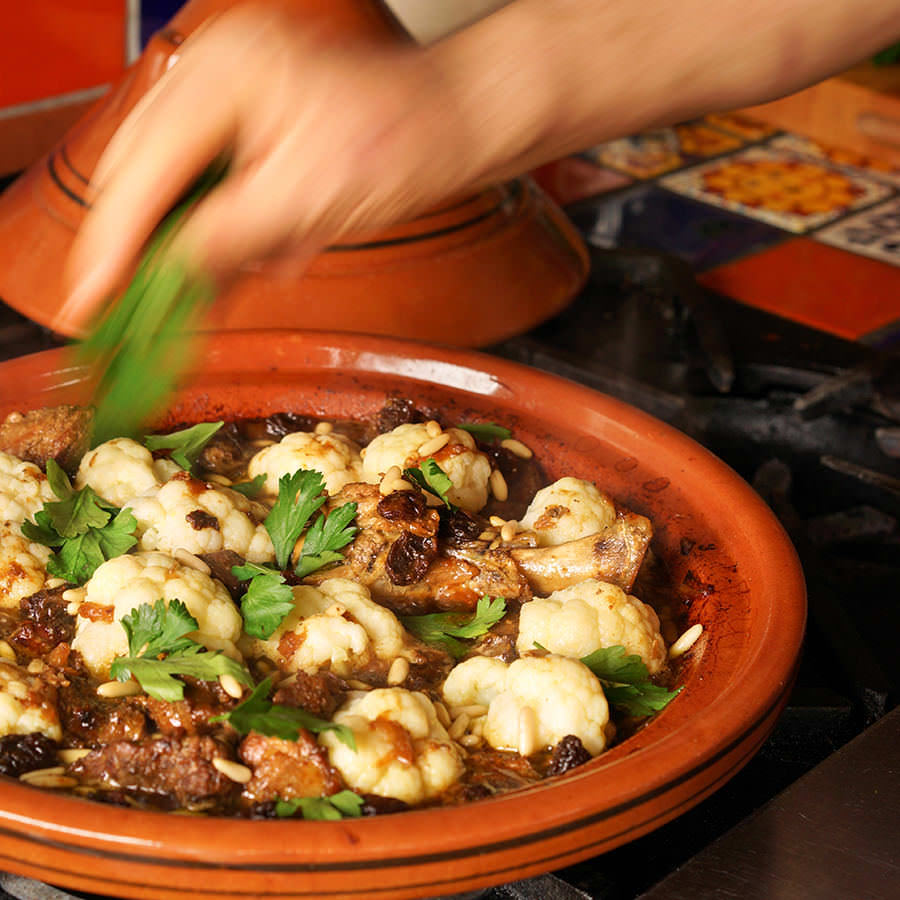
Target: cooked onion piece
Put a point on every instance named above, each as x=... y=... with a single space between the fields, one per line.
x=23 y=489
x=27 y=704
x=583 y=618
x=402 y=750
x=567 y=510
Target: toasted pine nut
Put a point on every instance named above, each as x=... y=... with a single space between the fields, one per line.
x=262 y=442
x=487 y=535
x=470 y=740
x=38 y=773
x=459 y=726
x=72 y=754
x=433 y=428
x=323 y=428
x=52 y=781
x=398 y=671
x=51 y=583
x=473 y=711
x=508 y=531
x=497 y=522
x=110 y=689
x=401 y=484
x=231 y=686
x=393 y=473
x=186 y=558
x=358 y=685
x=686 y=641
x=498 y=485
x=336 y=610
x=442 y=714
x=36 y=666
x=232 y=770
x=494 y=544
x=517 y=448
x=528 y=739
x=73 y=595
x=429 y=448
x=6 y=651
x=216 y=478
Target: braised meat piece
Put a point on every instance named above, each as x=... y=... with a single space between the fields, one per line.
x=45 y=622
x=60 y=433
x=523 y=477
x=491 y=772
x=89 y=720
x=25 y=752
x=190 y=716
x=286 y=769
x=178 y=768
x=220 y=563
x=320 y=693
x=225 y=454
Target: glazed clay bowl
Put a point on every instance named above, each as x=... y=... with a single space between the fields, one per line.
x=734 y=572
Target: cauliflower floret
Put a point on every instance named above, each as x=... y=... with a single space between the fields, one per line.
x=27 y=704
x=580 y=619
x=23 y=489
x=334 y=455
x=567 y=510
x=468 y=469
x=402 y=750
x=353 y=633
x=22 y=566
x=563 y=695
x=121 y=469
x=185 y=513
x=125 y=582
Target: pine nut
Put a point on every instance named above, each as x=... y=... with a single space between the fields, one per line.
x=442 y=714
x=494 y=544
x=386 y=487
x=262 y=442
x=358 y=685
x=497 y=522
x=398 y=671
x=393 y=473
x=216 y=478
x=51 y=583
x=186 y=558
x=470 y=740
x=72 y=754
x=432 y=499
x=6 y=651
x=498 y=485
x=517 y=448
x=432 y=428
x=508 y=531
x=488 y=535
x=39 y=773
x=459 y=726
x=686 y=641
x=336 y=610
x=401 y=484
x=111 y=689
x=232 y=770
x=473 y=711
x=36 y=666
x=323 y=428
x=528 y=739
x=231 y=686
x=429 y=448
x=52 y=781
x=73 y=595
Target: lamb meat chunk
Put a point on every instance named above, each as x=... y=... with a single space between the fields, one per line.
x=45 y=623
x=491 y=772
x=320 y=693
x=60 y=433
x=190 y=716
x=286 y=769
x=91 y=721
x=178 y=768
x=397 y=411
x=25 y=752
x=500 y=641
x=225 y=454
x=220 y=563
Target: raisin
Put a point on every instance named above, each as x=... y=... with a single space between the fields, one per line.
x=25 y=752
x=409 y=558
x=568 y=754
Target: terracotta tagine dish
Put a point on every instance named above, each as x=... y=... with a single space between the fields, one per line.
x=733 y=571
x=476 y=270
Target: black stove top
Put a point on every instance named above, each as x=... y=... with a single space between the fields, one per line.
x=813 y=422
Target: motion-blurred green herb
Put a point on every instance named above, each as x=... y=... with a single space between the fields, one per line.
x=887 y=57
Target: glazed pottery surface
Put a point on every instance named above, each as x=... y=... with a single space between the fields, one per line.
x=733 y=570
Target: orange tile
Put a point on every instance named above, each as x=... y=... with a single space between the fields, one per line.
x=56 y=46
x=820 y=286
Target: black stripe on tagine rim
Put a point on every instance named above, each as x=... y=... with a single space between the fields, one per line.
x=54 y=174
x=444 y=856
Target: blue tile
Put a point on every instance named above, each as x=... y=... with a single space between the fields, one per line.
x=155 y=14
x=648 y=216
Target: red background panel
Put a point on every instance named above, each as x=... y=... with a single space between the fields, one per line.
x=50 y=47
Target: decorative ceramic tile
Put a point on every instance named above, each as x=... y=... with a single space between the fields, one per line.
x=877 y=168
x=874 y=232
x=700 y=140
x=646 y=216
x=571 y=179
x=809 y=282
x=740 y=125
x=643 y=155
x=780 y=188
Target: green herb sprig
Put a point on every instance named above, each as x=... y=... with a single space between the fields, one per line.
x=486 y=431
x=626 y=681
x=432 y=478
x=185 y=445
x=444 y=629
x=342 y=805
x=267 y=602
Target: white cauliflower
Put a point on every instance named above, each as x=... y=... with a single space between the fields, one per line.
x=125 y=582
x=24 y=489
x=580 y=619
x=355 y=632
x=22 y=566
x=468 y=469
x=27 y=704
x=559 y=696
x=185 y=513
x=120 y=469
x=567 y=510
x=334 y=455
x=402 y=750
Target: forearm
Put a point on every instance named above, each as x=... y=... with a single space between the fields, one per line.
x=543 y=78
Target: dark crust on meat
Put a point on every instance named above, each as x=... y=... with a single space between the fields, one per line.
x=45 y=623
x=320 y=693
x=60 y=433
x=191 y=715
x=220 y=563
x=25 y=752
x=91 y=721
